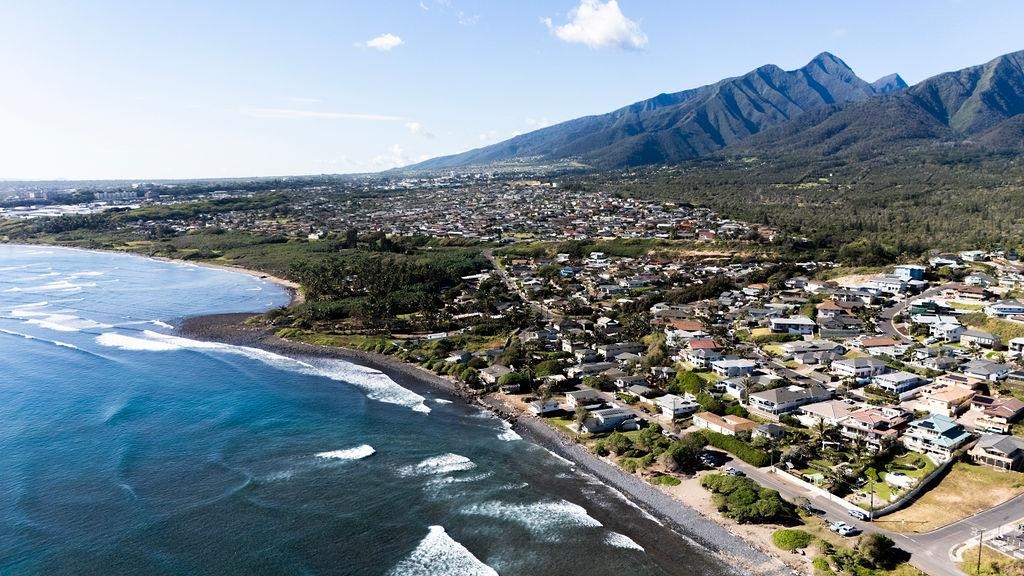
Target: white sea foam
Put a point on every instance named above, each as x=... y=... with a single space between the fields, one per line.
x=60 y=322
x=545 y=520
x=622 y=541
x=59 y=286
x=438 y=465
x=441 y=401
x=559 y=457
x=122 y=342
x=161 y=324
x=357 y=453
x=31 y=305
x=374 y=383
x=438 y=554
x=508 y=434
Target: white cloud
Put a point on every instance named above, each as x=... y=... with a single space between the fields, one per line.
x=467 y=19
x=384 y=43
x=537 y=123
x=289 y=113
x=417 y=129
x=488 y=135
x=599 y=25
x=424 y=7
x=395 y=156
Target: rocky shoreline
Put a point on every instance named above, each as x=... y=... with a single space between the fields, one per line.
x=688 y=522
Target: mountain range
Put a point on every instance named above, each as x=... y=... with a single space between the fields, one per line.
x=821 y=109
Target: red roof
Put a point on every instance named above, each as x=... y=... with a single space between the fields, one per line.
x=703 y=344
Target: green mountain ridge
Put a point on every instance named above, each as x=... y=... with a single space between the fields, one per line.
x=685 y=125
x=821 y=110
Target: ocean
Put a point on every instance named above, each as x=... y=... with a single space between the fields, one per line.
x=125 y=449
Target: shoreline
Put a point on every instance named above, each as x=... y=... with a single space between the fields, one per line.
x=677 y=514
x=294 y=288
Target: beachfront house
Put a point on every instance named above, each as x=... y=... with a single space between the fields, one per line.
x=606 y=420
x=586 y=397
x=673 y=406
x=729 y=425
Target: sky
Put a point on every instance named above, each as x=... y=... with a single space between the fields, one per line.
x=110 y=89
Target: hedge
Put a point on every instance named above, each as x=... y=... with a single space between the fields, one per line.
x=738 y=448
x=787 y=539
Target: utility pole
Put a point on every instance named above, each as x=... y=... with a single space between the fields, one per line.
x=981 y=540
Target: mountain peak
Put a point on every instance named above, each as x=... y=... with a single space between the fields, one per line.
x=889 y=84
x=828 y=62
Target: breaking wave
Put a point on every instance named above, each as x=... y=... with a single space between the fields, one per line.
x=437 y=465
x=440 y=555
x=545 y=520
x=622 y=541
x=357 y=453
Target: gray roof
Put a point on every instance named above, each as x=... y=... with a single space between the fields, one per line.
x=1007 y=445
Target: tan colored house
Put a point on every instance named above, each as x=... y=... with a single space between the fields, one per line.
x=999 y=451
x=729 y=425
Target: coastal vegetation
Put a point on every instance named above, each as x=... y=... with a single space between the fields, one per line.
x=743 y=500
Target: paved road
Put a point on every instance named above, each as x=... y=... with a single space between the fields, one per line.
x=886 y=324
x=930 y=551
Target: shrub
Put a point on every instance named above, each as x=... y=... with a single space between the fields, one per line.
x=666 y=480
x=787 y=539
x=738 y=448
x=743 y=500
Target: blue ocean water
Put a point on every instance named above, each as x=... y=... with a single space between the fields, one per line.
x=127 y=450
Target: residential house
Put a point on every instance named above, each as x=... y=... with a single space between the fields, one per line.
x=950 y=331
x=786 y=399
x=606 y=419
x=936 y=436
x=584 y=397
x=805 y=346
x=945 y=400
x=831 y=412
x=544 y=407
x=590 y=369
x=887 y=284
x=979 y=338
x=986 y=370
x=737 y=387
x=625 y=381
x=900 y=383
x=875 y=424
x=883 y=345
x=673 y=406
x=729 y=368
x=996 y=413
x=793 y=325
x=729 y=425
x=909 y=272
x=999 y=451
x=829 y=309
x=858 y=367
x=1005 y=308
x=701 y=358
x=610 y=351
x=491 y=374
x=1016 y=345
x=771 y=431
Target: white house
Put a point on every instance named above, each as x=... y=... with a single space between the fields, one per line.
x=787 y=399
x=793 y=325
x=900 y=383
x=1005 y=308
x=858 y=367
x=673 y=406
x=728 y=368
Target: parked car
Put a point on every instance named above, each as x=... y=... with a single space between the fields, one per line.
x=860 y=514
x=838 y=525
x=848 y=531
x=734 y=472
x=806 y=507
